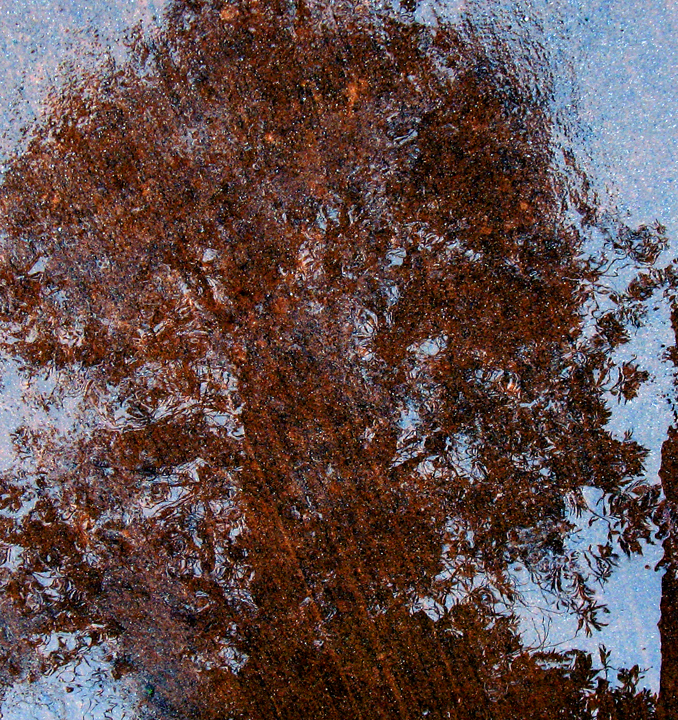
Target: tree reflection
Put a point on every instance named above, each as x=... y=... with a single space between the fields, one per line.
x=341 y=376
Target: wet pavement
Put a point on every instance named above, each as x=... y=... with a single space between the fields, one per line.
x=338 y=361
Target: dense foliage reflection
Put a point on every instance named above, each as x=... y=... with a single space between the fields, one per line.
x=325 y=302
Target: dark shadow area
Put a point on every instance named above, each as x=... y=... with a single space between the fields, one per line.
x=666 y=520
x=344 y=375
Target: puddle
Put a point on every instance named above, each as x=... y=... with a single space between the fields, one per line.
x=338 y=365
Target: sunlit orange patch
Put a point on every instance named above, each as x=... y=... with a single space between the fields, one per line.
x=228 y=13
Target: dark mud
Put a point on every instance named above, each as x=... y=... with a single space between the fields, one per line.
x=319 y=275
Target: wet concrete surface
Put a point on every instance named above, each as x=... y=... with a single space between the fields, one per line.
x=338 y=377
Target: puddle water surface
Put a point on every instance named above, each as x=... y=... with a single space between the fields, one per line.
x=334 y=386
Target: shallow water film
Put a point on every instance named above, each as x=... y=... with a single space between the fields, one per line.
x=334 y=386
